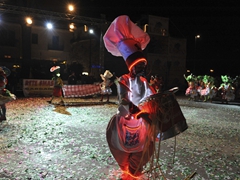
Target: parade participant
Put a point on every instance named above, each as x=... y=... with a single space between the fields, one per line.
x=206 y=89
x=142 y=113
x=213 y=89
x=5 y=95
x=236 y=86
x=157 y=83
x=230 y=93
x=200 y=86
x=72 y=79
x=106 y=84
x=126 y=135
x=58 y=83
x=226 y=89
x=191 y=91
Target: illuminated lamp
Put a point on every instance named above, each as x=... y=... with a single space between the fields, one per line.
x=49 y=25
x=28 y=21
x=85 y=73
x=71 y=27
x=70 y=7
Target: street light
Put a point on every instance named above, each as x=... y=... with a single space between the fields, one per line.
x=49 y=25
x=90 y=50
x=196 y=37
x=29 y=21
x=70 y=12
x=70 y=7
x=72 y=27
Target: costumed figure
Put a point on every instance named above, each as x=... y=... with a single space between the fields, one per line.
x=230 y=93
x=226 y=89
x=58 y=83
x=236 y=85
x=106 y=85
x=213 y=92
x=5 y=95
x=131 y=132
x=72 y=79
x=191 y=91
x=200 y=85
x=207 y=83
x=157 y=83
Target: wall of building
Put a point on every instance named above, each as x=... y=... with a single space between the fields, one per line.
x=11 y=40
x=47 y=48
x=166 y=55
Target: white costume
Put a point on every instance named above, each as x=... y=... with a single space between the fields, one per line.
x=105 y=85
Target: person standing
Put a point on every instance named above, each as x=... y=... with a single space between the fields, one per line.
x=58 y=83
x=72 y=79
x=106 y=85
x=5 y=95
x=127 y=133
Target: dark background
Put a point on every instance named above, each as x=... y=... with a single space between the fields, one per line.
x=217 y=21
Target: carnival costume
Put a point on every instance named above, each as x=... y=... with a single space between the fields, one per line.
x=191 y=91
x=157 y=83
x=105 y=85
x=58 y=83
x=207 y=84
x=226 y=89
x=129 y=133
x=5 y=95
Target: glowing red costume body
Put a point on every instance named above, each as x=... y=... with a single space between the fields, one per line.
x=126 y=137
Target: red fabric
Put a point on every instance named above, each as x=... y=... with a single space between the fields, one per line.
x=126 y=161
x=57 y=91
x=81 y=90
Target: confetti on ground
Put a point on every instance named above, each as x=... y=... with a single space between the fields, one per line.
x=51 y=141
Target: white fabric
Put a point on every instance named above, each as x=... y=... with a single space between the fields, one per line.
x=123 y=29
x=139 y=89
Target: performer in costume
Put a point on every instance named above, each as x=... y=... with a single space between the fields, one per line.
x=206 y=90
x=106 y=84
x=126 y=135
x=213 y=89
x=226 y=89
x=157 y=83
x=5 y=95
x=200 y=86
x=230 y=93
x=191 y=91
x=236 y=86
x=58 y=83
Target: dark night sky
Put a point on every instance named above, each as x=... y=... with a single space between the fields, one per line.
x=217 y=21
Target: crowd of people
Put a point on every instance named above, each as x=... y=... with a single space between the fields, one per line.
x=204 y=88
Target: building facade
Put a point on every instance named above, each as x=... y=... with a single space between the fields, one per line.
x=166 y=55
x=34 y=49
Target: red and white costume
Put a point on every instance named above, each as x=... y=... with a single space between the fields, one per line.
x=191 y=91
x=106 y=84
x=5 y=95
x=126 y=135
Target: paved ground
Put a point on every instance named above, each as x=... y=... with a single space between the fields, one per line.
x=45 y=141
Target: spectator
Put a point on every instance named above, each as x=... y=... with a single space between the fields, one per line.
x=72 y=79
